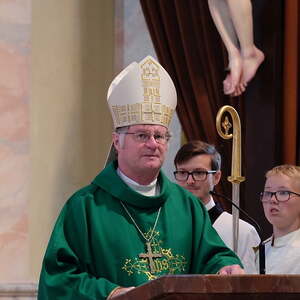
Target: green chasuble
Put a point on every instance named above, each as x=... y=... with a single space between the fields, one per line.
x=95 y=246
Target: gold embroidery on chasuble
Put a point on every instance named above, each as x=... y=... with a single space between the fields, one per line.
x=166 y=263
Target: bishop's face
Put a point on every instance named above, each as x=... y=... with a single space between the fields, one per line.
x=284 y=216
x=141 y=160
x=200 y=188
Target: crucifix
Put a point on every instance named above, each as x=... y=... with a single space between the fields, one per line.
x=150 y=255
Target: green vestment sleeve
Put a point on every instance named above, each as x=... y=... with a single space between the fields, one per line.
x=65 y=275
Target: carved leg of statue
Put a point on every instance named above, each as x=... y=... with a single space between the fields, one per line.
x=221 y=16
x=233 y=19
x=252 y=57
x=232 y=83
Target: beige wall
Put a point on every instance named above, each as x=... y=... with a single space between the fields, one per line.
x=72 y=66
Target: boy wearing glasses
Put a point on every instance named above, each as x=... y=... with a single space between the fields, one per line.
x=132 y=224
x=281 y=203
x=198 y=169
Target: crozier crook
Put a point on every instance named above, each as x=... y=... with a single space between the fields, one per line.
x=235 y=178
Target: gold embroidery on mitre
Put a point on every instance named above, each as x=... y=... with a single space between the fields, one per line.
x=150 y=109
x=168 y=264
x=127 y=114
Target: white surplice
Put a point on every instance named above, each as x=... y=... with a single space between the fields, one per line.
x=283 y=254
x=248 y=238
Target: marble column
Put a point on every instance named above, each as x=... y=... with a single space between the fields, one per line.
x=15 y=50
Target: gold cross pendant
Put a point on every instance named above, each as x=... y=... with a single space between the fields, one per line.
x=150 y=255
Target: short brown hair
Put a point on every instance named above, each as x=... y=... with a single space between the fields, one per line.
x=194 y=148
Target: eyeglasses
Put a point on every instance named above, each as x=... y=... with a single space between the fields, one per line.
x=196 y=175
x=281 y=196
x=144 y=137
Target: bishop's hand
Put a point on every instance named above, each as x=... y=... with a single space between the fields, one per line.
x=120 y=291
x=231 y=270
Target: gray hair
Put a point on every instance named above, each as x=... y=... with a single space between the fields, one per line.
x=121 y=132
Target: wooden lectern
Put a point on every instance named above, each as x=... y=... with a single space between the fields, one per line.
x=218 y=287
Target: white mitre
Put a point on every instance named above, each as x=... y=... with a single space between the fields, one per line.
x=143 y=93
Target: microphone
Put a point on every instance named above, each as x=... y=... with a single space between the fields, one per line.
x=253 y=222
x=261 y=246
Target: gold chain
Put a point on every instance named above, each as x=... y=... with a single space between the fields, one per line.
x=137 y=227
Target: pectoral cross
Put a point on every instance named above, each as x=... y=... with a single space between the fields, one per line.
x=150 y=255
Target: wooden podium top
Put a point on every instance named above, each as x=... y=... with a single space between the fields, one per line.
x=217 y=287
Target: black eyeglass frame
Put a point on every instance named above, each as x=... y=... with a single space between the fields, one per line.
x=192 y=173
x=276 y=193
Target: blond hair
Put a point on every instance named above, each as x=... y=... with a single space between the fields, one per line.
x=288 y=170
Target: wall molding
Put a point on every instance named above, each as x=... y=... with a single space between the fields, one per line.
x=27 y=290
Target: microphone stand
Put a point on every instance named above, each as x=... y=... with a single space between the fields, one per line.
x=261 y=246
